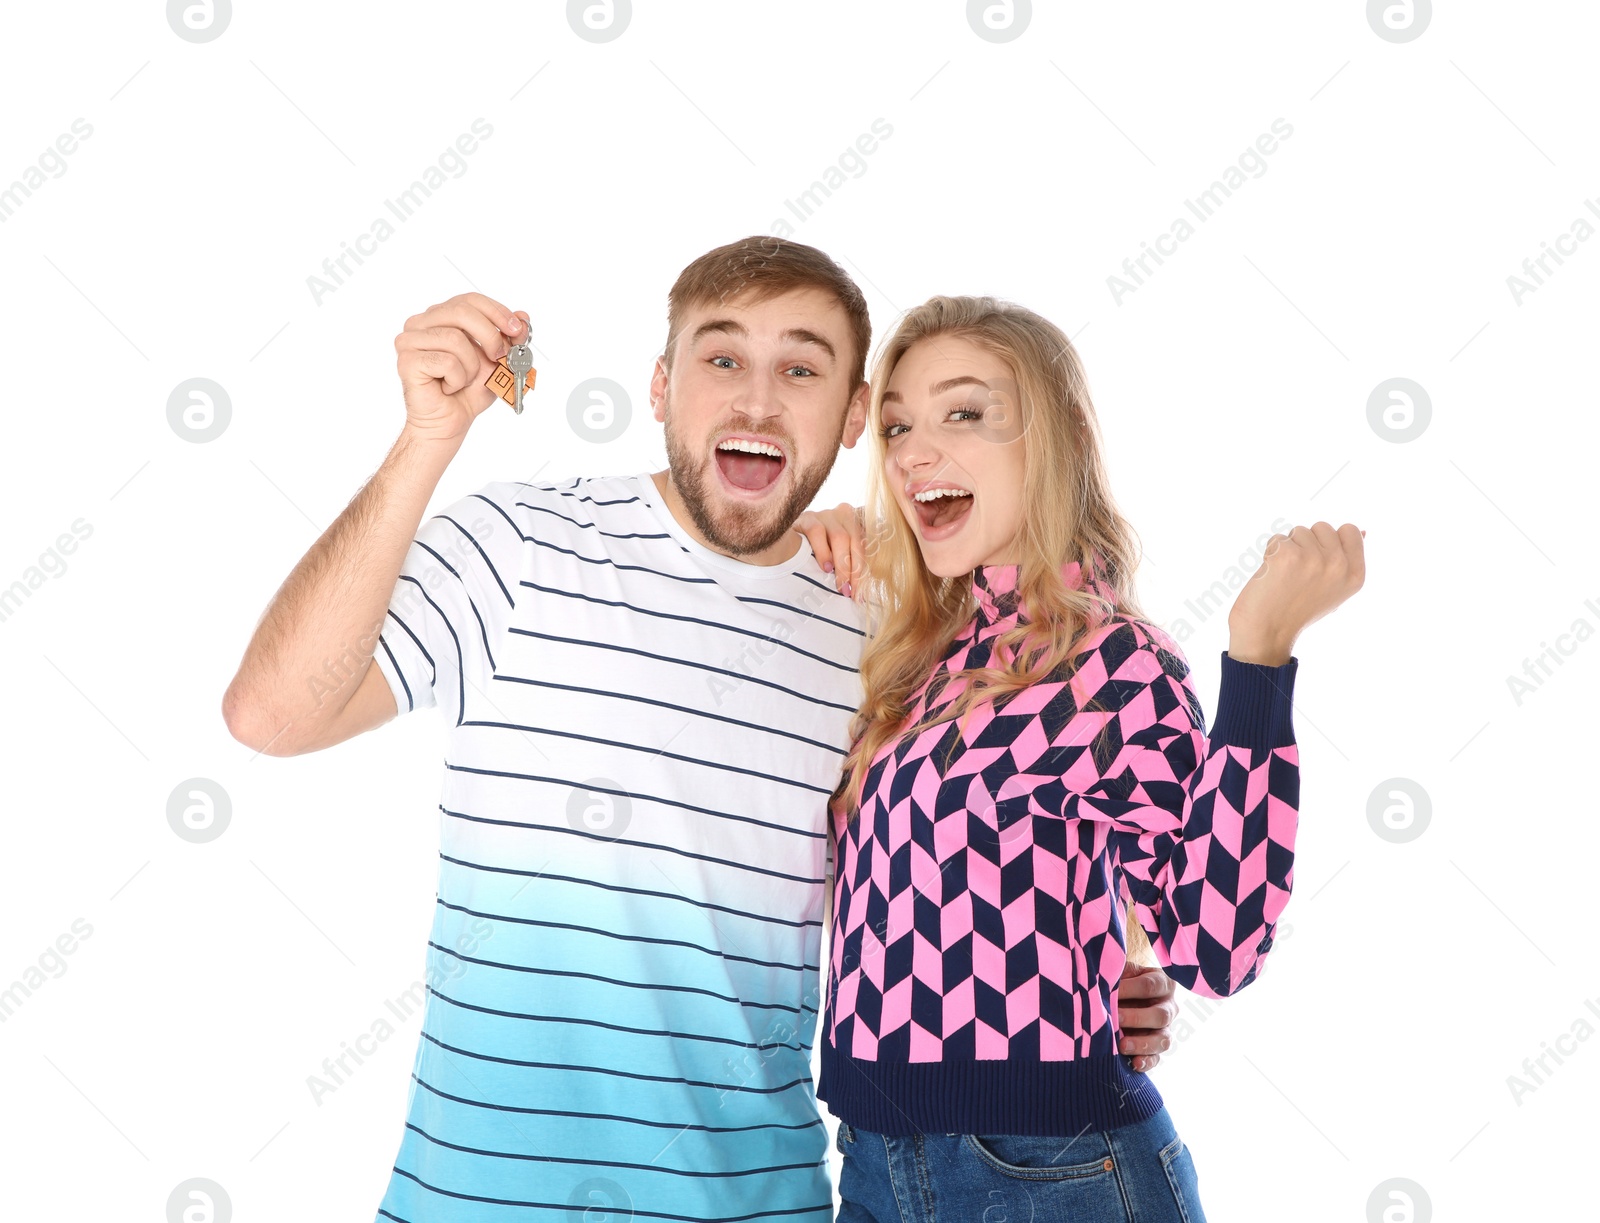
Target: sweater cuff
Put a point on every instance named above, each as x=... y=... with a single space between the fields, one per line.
x=1255 y=704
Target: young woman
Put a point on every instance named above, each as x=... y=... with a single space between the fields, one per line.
x=1031 y=767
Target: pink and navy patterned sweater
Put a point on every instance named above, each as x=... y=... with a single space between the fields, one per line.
x=977 y=935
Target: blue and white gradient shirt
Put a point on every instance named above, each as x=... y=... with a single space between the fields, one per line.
x=622 y=973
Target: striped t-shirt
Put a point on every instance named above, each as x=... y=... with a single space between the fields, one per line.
x=623 y=968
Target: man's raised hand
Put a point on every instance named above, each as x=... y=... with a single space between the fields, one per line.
x=445 y=354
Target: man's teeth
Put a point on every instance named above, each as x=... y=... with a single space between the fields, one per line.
x=933 y=494
x=739 y=443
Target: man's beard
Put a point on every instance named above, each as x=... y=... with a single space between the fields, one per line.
x=743 y=529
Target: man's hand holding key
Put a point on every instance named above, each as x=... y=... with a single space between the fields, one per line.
x=447 y=356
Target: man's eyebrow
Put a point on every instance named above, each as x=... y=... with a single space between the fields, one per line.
x=802 y=336
x=938 y=388
x=728 y=326
x=712 y=326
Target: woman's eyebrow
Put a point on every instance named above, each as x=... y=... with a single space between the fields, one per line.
x=939 y=388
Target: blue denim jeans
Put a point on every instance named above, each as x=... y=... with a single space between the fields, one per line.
x=1139 y=1173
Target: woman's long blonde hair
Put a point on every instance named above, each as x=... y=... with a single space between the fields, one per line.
x=1071 y=516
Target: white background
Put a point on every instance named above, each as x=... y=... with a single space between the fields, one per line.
x=1411 y=980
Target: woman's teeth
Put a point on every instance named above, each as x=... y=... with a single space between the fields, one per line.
x=941 y=510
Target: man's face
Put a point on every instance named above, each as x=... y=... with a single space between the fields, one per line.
x=755 y=408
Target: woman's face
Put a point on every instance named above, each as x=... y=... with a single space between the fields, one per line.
x=953 y=435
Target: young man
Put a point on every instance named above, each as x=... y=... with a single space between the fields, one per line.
x=648 y=681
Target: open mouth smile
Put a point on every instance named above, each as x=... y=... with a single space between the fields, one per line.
x=749 y=465
x=941 y=508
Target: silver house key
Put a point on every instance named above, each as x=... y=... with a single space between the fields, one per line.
x=520 y=362
x=513 y=375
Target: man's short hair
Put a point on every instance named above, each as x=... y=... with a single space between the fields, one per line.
x=763 y=267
